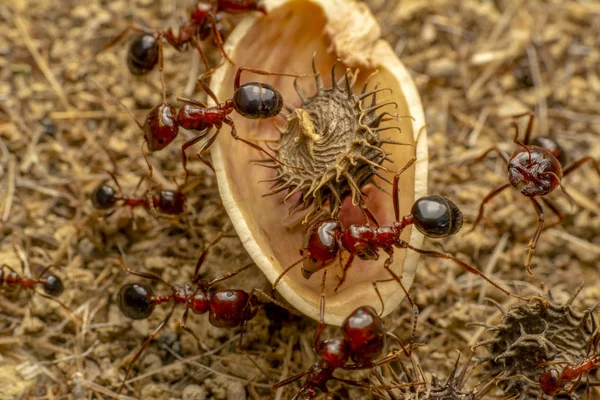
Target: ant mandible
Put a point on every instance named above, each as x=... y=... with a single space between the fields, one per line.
x=143 y=53
x=361 y=346
x=227 y=308
x=169 y=202
x=535 y=170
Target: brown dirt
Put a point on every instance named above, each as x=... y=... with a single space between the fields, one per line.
x=475 y=63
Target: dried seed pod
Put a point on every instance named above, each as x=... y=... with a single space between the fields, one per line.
x=285 y=40
x=534 y=333
x=333 y=142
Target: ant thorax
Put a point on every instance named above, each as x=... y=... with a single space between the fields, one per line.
x=332 y=139
x=534 y=171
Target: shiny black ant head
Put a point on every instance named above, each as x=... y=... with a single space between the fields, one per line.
x=135 y=301
x=52 y=285
x=171 y=202
x=104 y=197
x=436 y=217
x=256 y=100
x=142 y=55
x=320 y=246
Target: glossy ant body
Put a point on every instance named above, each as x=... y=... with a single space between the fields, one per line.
x=169 y=202
x=51 y=284
x=361 y=346
x=252 y=100
x=227 y=308
x=143 y=53
x=552 y=381
x=535 y=170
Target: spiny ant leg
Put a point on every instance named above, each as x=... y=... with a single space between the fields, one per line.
x=345 y=270
x=205 y=146
x=208 y=90
x=145 y=275
x=579 y=163
x=145 y=345
x=486 y=199
x=532 y=245
x=285 y=271
x=191 y=332
x=556 y=212
x=218 y=37
x=436 y=254
x=204 y=253
x=396 y=197
x=186 y=146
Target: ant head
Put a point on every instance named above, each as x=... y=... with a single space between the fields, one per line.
x=52 y=285
x=231 y=308
x=364 y=333
x=551 y=382
x=436 y=217
x=320 y=245
x=256 y=100
x=200 y=11
x=104 y=197
x=334 y=352
x=534 y=171
x=160 y=127
x=142 y=55
x=135 y=301
x=171 y=202
x=552 y=146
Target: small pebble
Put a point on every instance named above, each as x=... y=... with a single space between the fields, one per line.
x=194 y=392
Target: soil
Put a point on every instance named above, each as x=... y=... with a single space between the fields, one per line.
x=475 y=63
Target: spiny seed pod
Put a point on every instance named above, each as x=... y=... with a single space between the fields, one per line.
x=332 y=139
x=531 y=334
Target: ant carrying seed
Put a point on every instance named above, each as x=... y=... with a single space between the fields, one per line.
x=535 y=170
x=143 y=53
x=361 y=346
x=226 y=308
x=169 y=202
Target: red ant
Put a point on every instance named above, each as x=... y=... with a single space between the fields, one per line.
x=144 y=51
x=432 y=215
x=51 y=284
x=252 y=100
x=227 y=308
x=361 y=346
x=552 y=381
x=170 y=202
x=534 y=170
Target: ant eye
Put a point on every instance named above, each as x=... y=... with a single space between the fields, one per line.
x=313 y=260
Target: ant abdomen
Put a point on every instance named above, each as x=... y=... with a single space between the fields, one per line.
x=104 y=197
x=231 y=308
x=364 y=334
x=257 y=101
x=136 y=301
x=437 y=217
x=53 y=285
x=534 y=171
x=142 y=55
x=160 y=127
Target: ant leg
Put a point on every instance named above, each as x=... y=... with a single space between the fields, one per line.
x=191 y=102
x=271 y=299
x=199 y=50
x=503 y=156
x=374 y=283
x=518 y=142
x=208 y=90
x=555 y=211
x=231 y=124
x=238 y=74
x=485 y=200
x=386 y=266
x=229 y=275
x=145 y=345
x=529 y=127
x=187 y=145
x=579 y=163
x=204 y=253
x=345 y=271
x=121 y=36
x=218 y=37
x=285 y=271
x=146 y=275
x=533 y=243
x=205 y=146
x=188 y=330
x=319 y=331
x=287 y=381
x=396 y=198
